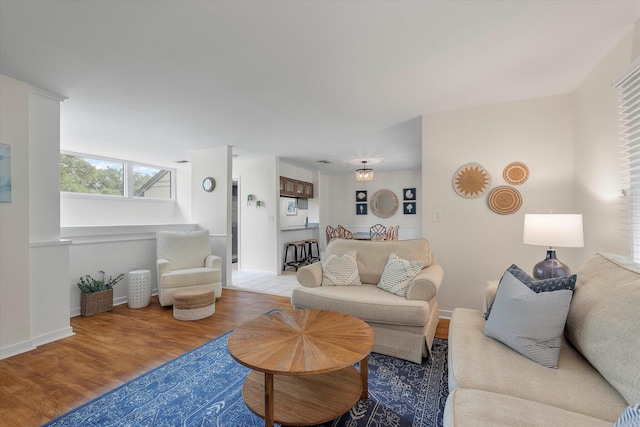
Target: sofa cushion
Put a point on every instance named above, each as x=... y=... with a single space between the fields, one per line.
x=340 y=270
x=544 y=285
x=183 y=249
x=476 y=408
x=367 y=302
x=530 y=323
x=190 y=277
x=397 y=275
x=479 y=362
x=373 y=256
x=604 y=318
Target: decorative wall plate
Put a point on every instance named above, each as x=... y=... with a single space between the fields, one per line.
x=471 y=180
x=505 y=200
x=516 y=173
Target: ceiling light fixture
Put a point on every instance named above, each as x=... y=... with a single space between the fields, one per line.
x=364 y=174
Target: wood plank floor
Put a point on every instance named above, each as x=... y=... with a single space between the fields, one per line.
x=109 y=349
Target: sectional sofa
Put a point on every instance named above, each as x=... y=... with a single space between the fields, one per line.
x=598 y=370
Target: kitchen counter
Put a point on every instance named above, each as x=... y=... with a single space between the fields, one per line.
x=300 y=227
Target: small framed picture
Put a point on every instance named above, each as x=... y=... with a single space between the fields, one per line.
x=361 y=208
x=361 y=196
x=292 y=208
x=409 y=208
x=409 y=193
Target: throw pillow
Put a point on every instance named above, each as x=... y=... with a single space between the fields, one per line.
x=340 y=270
x=544 y=285
x=530 y=323
x=397 y=275
x=630 y=417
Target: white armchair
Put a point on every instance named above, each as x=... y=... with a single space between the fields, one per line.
x=184 y=261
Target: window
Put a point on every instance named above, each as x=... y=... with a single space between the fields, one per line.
x=93 y=175
x=628 y=84
x=151 y=182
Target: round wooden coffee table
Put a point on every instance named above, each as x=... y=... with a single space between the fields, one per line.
x=302 y=364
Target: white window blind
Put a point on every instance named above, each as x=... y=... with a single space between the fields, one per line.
x=628 y=85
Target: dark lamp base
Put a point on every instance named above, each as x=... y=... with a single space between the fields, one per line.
x=550 y=267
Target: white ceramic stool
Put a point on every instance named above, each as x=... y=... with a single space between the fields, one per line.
x=139 y=288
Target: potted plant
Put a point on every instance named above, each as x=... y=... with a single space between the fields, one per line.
x=97 y=295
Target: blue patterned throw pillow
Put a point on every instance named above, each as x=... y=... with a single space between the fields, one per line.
x=544 y=285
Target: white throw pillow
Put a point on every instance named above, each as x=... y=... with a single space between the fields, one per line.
x=397 y=275
x=340 y=270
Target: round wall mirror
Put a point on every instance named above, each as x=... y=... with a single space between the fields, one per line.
x=384 y=203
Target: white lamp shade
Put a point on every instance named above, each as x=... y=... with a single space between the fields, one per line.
x=553 y=230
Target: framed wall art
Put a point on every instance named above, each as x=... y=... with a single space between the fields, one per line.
x=409 y=208
x=409 y=194
x=292 y=208
x=361 y=208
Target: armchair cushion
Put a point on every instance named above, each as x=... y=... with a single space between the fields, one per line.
x=185 y=249
x=190 y=277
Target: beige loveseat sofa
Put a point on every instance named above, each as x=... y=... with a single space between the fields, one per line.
x=404 y=326
x=598 y=372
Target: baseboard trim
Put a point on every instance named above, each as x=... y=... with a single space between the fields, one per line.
x=15 y=349
x=53 y=336
x=445 y=314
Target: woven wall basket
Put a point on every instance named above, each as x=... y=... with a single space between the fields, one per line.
x=96 y=302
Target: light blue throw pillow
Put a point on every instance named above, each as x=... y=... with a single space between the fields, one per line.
x=530 y=323
x=630 y=417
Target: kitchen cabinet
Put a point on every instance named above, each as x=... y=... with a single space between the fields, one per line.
x=308 y=190
x=290 y=187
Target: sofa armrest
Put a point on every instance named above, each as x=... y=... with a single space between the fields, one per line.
x=426 y=284
x=491 y=287
x=213 y=261
x=162 y=267
x=310 y=275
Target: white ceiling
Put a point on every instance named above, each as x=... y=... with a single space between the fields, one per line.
x=302 y=80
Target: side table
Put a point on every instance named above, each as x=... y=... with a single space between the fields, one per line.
x=139 y=288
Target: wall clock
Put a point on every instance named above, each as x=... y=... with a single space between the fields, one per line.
x=208 y=184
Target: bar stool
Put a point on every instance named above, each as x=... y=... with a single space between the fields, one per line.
x=299 y=254
x=310 y=244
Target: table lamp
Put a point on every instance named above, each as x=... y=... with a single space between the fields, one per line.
x=563 y=230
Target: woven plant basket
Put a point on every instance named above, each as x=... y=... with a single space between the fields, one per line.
x=96 y=302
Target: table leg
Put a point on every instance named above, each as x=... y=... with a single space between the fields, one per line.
x=364 y=375
x=268 y=400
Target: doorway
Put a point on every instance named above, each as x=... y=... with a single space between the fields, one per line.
x=234 y=222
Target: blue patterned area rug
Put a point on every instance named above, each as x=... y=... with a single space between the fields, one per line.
x=204 y=388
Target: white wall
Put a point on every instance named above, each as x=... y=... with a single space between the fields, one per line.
x=49 y=257
x=258 y=227
x=78 y=210
x=212 y=210
x=472 y=243
x=15 y=325
x=338 y=203
x=597 y=154
x=33 y=261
